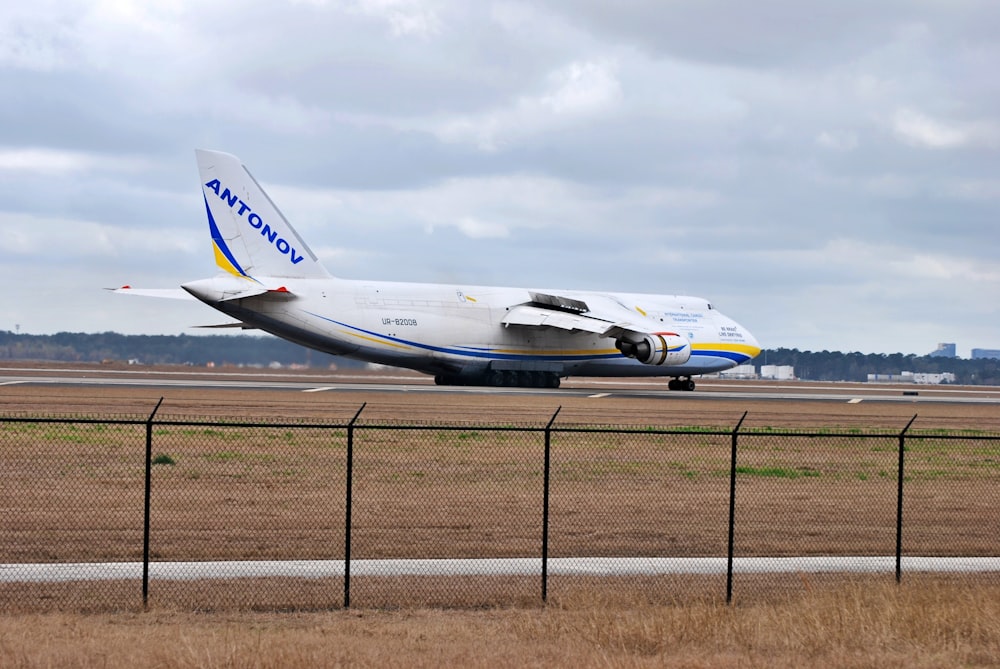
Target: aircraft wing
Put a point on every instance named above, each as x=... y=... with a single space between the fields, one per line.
x=636 y=335
x=526 y=314
x=606 y=320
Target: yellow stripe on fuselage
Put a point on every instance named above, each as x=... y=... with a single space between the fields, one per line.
x=375 y=340
x=745 y=349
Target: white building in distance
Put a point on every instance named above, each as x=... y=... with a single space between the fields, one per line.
x=777 y=372
x=911 y=377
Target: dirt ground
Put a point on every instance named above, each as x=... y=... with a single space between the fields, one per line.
x=255 y=493
x=73 y=492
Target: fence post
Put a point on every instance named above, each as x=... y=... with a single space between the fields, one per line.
x=347 y=507
x=899 y=502
x=732 y=512
x=146 y=505
x=545 y=506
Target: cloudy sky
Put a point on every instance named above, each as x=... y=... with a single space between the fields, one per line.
x=827 y=173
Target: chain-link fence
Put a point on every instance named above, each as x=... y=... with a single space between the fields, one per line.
x=103 y=514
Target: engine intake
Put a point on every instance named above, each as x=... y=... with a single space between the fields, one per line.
x=656 y=348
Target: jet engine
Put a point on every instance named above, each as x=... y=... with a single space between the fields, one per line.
x=656 y=348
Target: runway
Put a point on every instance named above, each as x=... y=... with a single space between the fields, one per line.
x=389 y=382
x=584 y=566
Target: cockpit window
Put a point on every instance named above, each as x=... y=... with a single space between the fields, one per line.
x=709 y=306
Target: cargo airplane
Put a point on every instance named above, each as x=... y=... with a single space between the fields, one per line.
x=269 y=279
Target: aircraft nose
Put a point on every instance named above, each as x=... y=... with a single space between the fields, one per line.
x=753 y=346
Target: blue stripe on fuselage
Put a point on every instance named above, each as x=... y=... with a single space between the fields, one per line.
x=473 y=352
x=486 y=354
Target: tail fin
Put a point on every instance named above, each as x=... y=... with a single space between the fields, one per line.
x=250 y=236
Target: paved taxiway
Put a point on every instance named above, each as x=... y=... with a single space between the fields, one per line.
x=409 y=383
x=581 y=566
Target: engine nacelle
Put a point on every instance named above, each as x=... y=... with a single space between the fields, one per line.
x=657 y=348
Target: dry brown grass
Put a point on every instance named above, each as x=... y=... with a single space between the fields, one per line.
x=926 y=623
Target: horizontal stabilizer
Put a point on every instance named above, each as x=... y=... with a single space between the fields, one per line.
x=240 y=294
x=221 y=326
x=251 y=292
x=224 y=288
x=170 y=293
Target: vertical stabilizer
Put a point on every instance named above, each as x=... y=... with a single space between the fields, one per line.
x=250 y=236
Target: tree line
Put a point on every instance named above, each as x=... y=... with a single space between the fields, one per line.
x=255 y=349
x=243 y=349
x=836 y=366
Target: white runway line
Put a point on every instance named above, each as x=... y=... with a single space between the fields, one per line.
x=584 y=566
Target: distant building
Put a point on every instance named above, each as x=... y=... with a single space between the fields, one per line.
x=933 y=379
x=778 y=372
x=911 y=377
x=943 y=351
x=905 y=377
x=740 y=372
x=985 y=353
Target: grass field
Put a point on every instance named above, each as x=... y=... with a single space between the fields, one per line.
x=233 y=493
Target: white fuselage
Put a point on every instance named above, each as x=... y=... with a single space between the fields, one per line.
x=458 y=330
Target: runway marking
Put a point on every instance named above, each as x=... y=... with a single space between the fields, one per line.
x=856 y=400
x=581 y=566
x=621 y=388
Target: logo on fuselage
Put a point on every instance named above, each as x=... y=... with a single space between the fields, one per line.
x=254 y=220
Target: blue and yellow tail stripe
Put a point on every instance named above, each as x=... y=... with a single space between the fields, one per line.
x=224 y=257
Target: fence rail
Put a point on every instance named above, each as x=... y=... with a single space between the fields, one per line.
x=208 y=513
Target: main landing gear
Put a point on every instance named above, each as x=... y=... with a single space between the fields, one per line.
x=681 y=384
x=502 y=379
